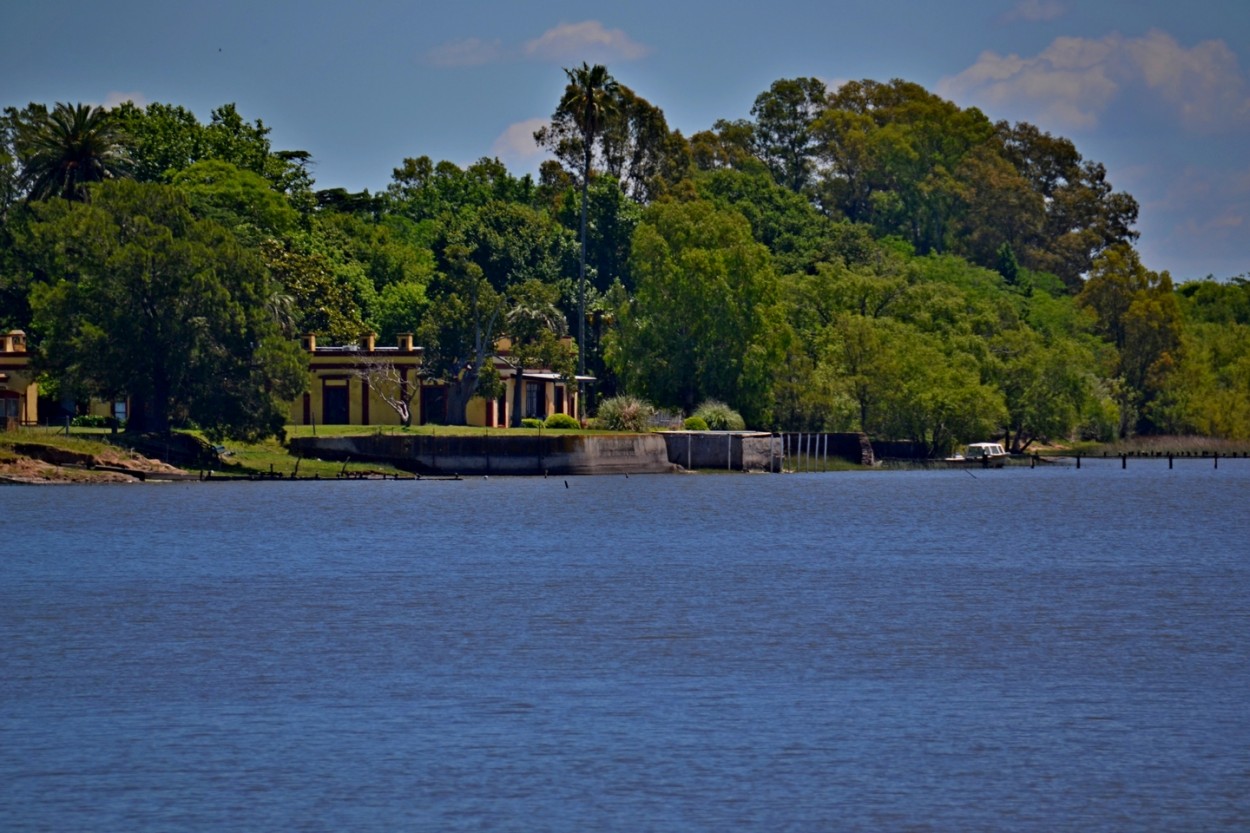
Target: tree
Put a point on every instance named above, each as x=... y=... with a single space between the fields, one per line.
x=319 y=303
x=783 y=128
x=238 y=199
x=138 y=298
x=700 y=325
x=728 y=145
x=458 y=333
x=1138 y=312
x=536 y=328
x=392 y=386
x=63 y=150
x=1045 y=386
x=1083 y=216
x=589 y=100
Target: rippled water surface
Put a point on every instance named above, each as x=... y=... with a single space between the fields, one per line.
x=1030 y=650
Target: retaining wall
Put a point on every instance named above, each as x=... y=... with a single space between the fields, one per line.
x=724 y=450
x=502 y=455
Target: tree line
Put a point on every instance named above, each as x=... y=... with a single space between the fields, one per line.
x=867 y=258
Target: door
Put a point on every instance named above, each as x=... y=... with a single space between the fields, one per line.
x=335 y=409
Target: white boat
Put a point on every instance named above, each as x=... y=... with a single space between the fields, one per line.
x=985 y=455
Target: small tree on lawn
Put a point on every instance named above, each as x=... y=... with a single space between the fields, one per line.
x=391 y=385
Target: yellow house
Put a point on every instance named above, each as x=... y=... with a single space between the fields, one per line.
x=19 y=392
x=371 y=384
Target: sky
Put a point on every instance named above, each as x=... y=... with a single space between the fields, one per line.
x=1155 y=91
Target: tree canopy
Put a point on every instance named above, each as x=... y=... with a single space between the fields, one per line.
x=868 y=257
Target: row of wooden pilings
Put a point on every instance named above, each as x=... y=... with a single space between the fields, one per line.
x=812 y=452
x=1214 y=457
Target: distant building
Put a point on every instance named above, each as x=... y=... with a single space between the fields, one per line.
x=19 y=392
x=350 y=385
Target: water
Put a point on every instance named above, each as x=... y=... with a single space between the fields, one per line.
x=1029 y=650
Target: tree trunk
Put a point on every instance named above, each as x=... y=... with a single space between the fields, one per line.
x=518 y=399
x=459 y=392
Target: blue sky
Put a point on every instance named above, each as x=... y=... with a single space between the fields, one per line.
x=1156 y=91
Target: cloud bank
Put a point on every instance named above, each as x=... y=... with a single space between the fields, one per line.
x=468 y=52
x=588 y=41
x=516 y=145
x=1074 y=80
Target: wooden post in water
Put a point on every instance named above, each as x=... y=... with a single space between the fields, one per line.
x=1217 y=459
x=1123 y=461
x=729 y=452
x=1078 y=461
x=1169 y=461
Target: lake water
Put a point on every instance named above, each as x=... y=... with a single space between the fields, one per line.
x=1015 y=650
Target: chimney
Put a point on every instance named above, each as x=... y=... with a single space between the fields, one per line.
x=405 y=342
x=366 y=342
x=308 y=342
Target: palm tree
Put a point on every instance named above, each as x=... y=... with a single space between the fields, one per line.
x=589 y=100
x=65 y=149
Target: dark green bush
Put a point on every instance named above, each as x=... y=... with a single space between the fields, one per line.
x=93 y=421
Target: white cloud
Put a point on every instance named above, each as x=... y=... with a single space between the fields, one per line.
x=1035 y=11
x=516 y=145
x=589 y=40
x=468 y=52
x=1074 y=80
x=114 y=98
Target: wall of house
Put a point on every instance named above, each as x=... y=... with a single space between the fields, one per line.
x=337 y=394
x=19 y=392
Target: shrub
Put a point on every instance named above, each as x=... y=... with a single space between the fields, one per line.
x=695 y=423
x=625 y=413
x=93 y=421
x=719 y=416
x=531 y=422
x=562 y=422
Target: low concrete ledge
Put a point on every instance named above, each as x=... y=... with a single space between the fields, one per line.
x=724 y=450
x=558 y=454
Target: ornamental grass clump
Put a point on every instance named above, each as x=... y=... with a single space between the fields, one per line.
x=720 y=417
x=625 y=413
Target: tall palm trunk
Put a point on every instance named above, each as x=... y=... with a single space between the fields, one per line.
x=581 y=274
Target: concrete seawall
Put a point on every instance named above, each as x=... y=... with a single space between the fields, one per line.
x=501 y=455
x=724 y=450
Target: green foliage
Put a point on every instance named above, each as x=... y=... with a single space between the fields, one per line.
x=783 y=128
x=700 y=324
x=240 y=200
x=93 y=421
x=625 y=413
x=139 y=298
x=562 y=422
x=875 y=258
x=531 y=422
x=63 y=150
x=717 y=416
x=694 y=423
x=163 y=140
